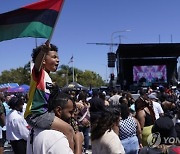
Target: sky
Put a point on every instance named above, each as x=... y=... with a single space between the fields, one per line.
x=96 y=21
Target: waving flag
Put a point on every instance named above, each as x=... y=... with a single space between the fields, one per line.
x=34 y=20
x=71 y=60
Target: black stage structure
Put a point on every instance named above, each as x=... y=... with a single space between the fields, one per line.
x=129 y=55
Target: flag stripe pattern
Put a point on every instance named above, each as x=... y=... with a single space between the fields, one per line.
x=35 y=29
x=34 y=20
x=27 y=15
x=55 y=5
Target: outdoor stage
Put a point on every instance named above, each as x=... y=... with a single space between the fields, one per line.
x=146 y=64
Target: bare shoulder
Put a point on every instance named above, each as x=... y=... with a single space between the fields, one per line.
x=135 y=119
x=141 y=113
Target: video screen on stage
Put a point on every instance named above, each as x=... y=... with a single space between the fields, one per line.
x=150 y=73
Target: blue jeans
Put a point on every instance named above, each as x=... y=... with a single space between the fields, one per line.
x=131 y=145
x=85 y=131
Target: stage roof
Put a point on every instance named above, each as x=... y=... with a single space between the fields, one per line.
x=148 y=50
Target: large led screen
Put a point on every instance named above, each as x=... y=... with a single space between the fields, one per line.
x=151 y=73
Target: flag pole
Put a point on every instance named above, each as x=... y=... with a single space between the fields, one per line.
x=56 y=22
x=36 y=42
x=73 y=68
x=50 y=37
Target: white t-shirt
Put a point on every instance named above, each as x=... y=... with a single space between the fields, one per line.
x=157 y=109
x=109 y=143
x=16 y=126
x=48 y=142
x=114 y=100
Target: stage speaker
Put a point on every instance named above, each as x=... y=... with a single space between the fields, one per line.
x=111 y=59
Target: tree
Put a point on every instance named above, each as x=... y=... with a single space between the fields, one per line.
x=62 y=76
x=86 y=78
x=19 y=75
x=89 y=78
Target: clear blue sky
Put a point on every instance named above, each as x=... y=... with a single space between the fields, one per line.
x=93 y=21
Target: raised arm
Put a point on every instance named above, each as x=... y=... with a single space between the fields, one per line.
x=41 y=56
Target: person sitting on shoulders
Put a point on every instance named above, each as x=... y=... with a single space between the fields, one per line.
x=52 y=141
x=46 y=60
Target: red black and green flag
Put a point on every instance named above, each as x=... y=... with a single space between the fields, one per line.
x=34 y=20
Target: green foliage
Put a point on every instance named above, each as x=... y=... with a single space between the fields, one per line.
x=86 y=78
x=19 y=75
x=89 y=78
x=62 y=76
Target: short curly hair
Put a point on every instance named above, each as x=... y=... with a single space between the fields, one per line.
x=15 y=101
x=37 y=50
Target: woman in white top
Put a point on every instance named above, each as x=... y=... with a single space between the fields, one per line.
x=103 y=121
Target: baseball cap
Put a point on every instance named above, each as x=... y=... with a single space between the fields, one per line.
x=152 y=96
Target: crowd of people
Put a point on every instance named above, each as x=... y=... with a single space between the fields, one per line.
x=110 y=120
x=49 y=120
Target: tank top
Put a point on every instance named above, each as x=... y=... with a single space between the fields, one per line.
x=148 y=119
